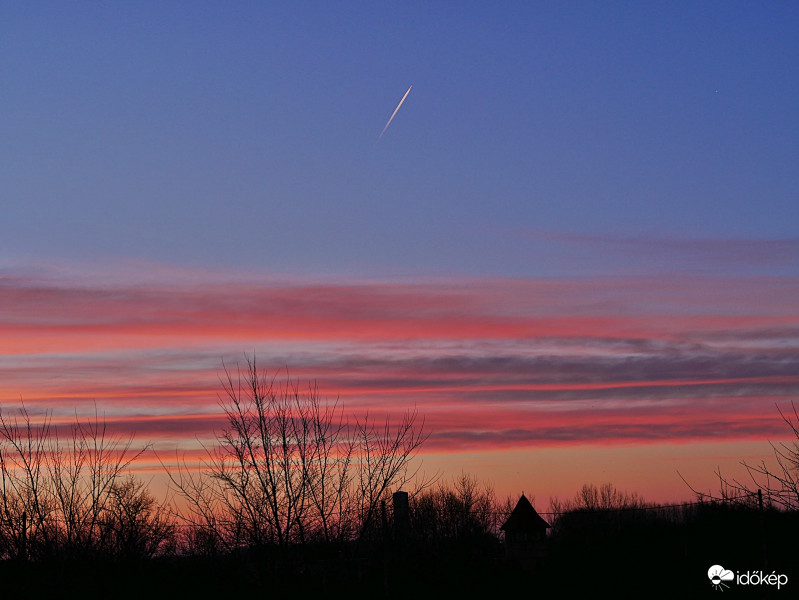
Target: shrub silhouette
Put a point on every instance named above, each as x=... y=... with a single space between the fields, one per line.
x=68 y=497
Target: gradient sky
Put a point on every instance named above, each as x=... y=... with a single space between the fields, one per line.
x=575 y=250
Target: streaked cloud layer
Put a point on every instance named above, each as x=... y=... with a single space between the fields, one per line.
x=490 y=363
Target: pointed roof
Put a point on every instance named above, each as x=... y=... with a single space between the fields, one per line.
x=524 y=517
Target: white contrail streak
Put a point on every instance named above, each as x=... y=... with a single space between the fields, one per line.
x=394 y=113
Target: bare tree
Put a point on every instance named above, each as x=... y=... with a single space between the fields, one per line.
x=290 y=468
x=206 y=527
x=778 y=483
x=329 y=472
x=463 y=509
x=284 y=460
x=27 y=501
x=83 y=473
x=383 y=455
x=137 y=525
x=593 y=498
x=598 y=509
x=58 y=494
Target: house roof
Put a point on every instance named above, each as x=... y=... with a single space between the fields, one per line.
x=524 y=517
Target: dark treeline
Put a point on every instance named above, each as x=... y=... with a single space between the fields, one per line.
x=298 y=498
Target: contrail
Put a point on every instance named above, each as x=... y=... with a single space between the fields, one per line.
x=394 y=114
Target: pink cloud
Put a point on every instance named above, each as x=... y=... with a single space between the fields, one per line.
x=489 y=363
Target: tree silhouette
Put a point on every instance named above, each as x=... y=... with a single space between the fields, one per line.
x=289 y=468
x=775 y=485
x=65 y=497
x=462 y=510
x=137 y=526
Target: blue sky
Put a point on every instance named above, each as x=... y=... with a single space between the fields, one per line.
x=536 y=136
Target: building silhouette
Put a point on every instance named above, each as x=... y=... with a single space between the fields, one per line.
x=525 y=535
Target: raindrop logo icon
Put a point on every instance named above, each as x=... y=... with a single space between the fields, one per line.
x=718 y=575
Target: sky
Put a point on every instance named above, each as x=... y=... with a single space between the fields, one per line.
x=574 y=251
